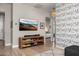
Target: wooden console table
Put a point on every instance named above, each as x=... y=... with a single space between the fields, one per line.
x=30 y=41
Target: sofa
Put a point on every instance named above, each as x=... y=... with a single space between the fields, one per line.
x=72 y=50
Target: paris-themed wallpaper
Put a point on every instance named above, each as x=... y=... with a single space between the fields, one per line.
x=67 y=24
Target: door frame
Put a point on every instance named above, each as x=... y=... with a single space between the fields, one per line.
x=11 y=25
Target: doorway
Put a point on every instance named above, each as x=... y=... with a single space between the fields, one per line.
x=48 y=30
x=2 y=33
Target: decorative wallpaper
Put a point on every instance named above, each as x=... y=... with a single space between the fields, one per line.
x=67 y=24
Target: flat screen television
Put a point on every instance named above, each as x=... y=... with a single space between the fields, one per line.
x=28 y=25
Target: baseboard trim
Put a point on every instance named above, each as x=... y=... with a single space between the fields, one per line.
x=15 y=46
x=59 y=47
x=8 y=44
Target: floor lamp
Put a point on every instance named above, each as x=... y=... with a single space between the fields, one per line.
x=53 y=29
x=53 y=39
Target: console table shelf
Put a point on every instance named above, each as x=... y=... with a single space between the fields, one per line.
x=30 y=41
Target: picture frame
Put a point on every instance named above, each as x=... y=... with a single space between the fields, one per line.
x=28 y=25
x=41 y=25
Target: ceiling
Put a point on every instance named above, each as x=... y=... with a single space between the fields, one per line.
x=46 y=6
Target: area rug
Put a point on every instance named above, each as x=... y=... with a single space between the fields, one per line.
x=46 y=53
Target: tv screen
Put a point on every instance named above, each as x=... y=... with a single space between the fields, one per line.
x=28 y=25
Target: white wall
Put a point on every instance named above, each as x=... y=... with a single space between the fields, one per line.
x=6 y=8
x=24 y=11
x=67 y=24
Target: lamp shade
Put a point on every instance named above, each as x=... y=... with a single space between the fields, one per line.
x=53 y=12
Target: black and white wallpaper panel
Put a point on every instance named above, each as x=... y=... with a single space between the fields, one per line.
x=67 y=24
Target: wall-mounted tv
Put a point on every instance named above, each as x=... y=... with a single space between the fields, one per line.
x=28 y=25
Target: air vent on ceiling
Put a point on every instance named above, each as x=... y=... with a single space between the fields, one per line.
x=38 y=6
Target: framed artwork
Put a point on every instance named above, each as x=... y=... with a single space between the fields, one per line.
x=28 y=25
x=41 y=25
